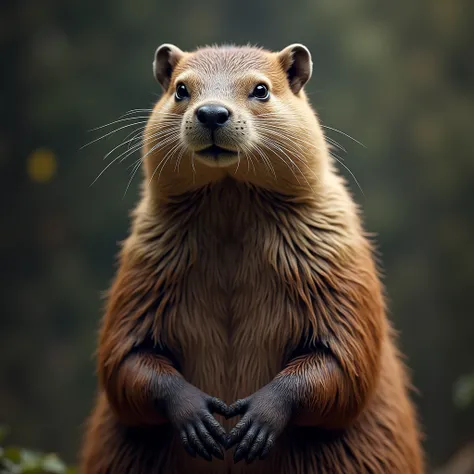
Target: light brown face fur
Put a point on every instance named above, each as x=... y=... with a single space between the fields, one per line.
x=275 y=143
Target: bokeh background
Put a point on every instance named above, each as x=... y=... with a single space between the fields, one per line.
x=397 y=76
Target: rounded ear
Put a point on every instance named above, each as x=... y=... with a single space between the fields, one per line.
x=296 y=61
x=167 y=57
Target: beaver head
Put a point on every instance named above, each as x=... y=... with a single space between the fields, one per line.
x=238 y=111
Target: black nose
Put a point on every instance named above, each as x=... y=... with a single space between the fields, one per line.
x=212 y=116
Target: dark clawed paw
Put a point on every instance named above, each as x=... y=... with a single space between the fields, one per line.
x=268 y=446
x=257 y=446
x=200 y=433
x=237 y=408
x=246 y=444
x=218 y=406
x=197 y=443
x=201 y=437
x=187 y=445
x=265 y=416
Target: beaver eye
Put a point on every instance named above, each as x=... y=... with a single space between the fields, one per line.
x=181 y=92
x=261 y=92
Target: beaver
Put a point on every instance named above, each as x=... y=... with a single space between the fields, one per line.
x=247 y=290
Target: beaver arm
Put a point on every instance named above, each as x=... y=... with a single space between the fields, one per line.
x=323 y=394
x=330 y=381
x=141 y=388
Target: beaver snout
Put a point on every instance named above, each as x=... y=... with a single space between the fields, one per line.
x=212 y=116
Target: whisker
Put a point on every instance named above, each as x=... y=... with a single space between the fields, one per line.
x=345 y=134
x=174 y=120
x=150 y=118
x=127 y=153
x=266 y=161
x=278 y=133
x=247 y=153
x=163 y=161
x=137 y=136
x=130 y=151
x=178 y=160
x=142 y=117
x=159 y=132
x=132 y=111
x=112 y=132
x=135 y=132
x=193 y=167
x=139 y=159
x=155 y=147
x=175 y=149
x=271 y=145
x=285 y=133
x=118 y=146
x=137 y=167
x=351 y=173
x=238 y=162
x=335 y=143
x=281 y=118
x=275 y=144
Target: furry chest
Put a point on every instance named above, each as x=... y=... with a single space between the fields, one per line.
x=239 y=326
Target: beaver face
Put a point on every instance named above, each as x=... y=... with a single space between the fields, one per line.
x=229 y=104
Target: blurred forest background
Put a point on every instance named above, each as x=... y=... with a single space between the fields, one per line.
x=397 y=76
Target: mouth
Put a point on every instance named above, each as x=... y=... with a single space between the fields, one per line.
x=217 y=157
x=216 y=151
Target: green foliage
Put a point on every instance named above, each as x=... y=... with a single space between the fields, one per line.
x=15 y=460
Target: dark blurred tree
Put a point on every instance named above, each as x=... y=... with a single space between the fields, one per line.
x=397 y=76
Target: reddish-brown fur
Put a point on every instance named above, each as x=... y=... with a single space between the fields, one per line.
x=228 y=272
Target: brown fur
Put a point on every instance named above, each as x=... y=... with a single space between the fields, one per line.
x=229 y=269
